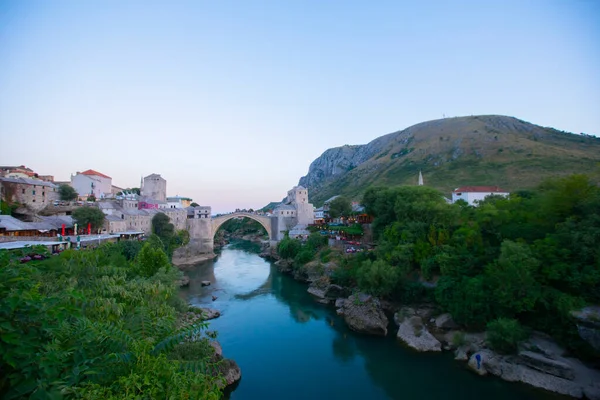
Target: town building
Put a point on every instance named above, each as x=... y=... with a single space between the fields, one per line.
x=297 y=197
x=45 y=227
x=319 y=216
x=17 y=172
x=92 y=183
x=178 y=202
x=152 y=204
x=154 y=187
x=474 y=194
x=31 y=193
x=198 y=212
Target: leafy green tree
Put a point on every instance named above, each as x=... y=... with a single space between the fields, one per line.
x=340 y=207
x=91 y=215
x=512 y=279
x=67 y=193
x=316 y=241
x=377 y=277
x=163 y=228
x=150 y=259
x=504 y=335
x=288 y=248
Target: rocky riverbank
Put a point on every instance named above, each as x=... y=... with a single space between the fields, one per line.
x=539 y=362
x=191 y=254
x=227 y=368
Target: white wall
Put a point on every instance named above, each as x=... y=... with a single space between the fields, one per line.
x=473 y=197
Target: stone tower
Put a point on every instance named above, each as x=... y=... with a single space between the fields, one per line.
x=154 y=187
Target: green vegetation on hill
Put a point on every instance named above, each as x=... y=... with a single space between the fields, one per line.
x=99 y=324
x=452 y=152
x=529 y=259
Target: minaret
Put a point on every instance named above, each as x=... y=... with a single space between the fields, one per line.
x=420 y=178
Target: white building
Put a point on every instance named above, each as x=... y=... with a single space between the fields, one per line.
x=473 y=194
x=92 y=182
x=178 y=202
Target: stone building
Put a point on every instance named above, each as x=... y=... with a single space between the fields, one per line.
x=198 y=212
x=154 y=187
x=31 y=193
x=114 y=224
x=92 y=182
x=297 y=197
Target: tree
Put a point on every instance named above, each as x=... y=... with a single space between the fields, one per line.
x=194 y=204
x=340 y=207
x=67 y=193
x=163 y=228
x=89 y=215
x=150 y=259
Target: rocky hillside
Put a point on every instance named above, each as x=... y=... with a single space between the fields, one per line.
x=452 y=152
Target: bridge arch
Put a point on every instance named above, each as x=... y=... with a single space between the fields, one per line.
x=264 y=221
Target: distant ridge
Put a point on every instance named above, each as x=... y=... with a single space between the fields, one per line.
x=451 y=152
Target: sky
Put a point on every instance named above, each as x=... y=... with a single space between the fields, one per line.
x=230 y=101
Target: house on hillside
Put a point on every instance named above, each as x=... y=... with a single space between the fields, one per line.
x=90 y=182
x=474 y=194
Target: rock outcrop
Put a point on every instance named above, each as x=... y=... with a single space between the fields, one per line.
x=445 y=321
x=191 y=254
x=588 y=325
x=546 y=368
x=363 y=314
x=414 y=333
x=184 y=281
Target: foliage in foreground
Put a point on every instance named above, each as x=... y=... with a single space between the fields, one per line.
x=95 y=325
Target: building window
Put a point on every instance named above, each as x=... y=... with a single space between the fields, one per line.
x=23 y=191
x=33 y=192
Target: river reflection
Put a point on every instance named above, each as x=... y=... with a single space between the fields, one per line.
x=288 y=346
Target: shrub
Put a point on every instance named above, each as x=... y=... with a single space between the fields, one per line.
x=288 y=248
x=458 y=339
x=303 y=257
x=504 y=335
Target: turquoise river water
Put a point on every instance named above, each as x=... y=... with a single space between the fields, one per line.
x=290 y=347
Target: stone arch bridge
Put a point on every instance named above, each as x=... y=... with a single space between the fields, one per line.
x=269 y=223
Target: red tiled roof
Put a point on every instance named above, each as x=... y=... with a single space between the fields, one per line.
x=92 y=172
x=480 y=189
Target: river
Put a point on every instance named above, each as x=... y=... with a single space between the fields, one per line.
x=290 y=347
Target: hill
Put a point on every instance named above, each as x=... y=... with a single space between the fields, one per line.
x=453 y=152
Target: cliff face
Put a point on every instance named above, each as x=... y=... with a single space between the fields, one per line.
x=452 y=152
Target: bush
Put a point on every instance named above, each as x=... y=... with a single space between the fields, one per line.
x=288 y=248
x=504 y=335
x=303 y=257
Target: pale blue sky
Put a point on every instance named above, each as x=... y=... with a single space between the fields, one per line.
x=231 y=100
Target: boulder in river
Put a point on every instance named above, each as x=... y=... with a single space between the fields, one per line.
x=363 y=314
x=414 y=333
x=205 y=283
